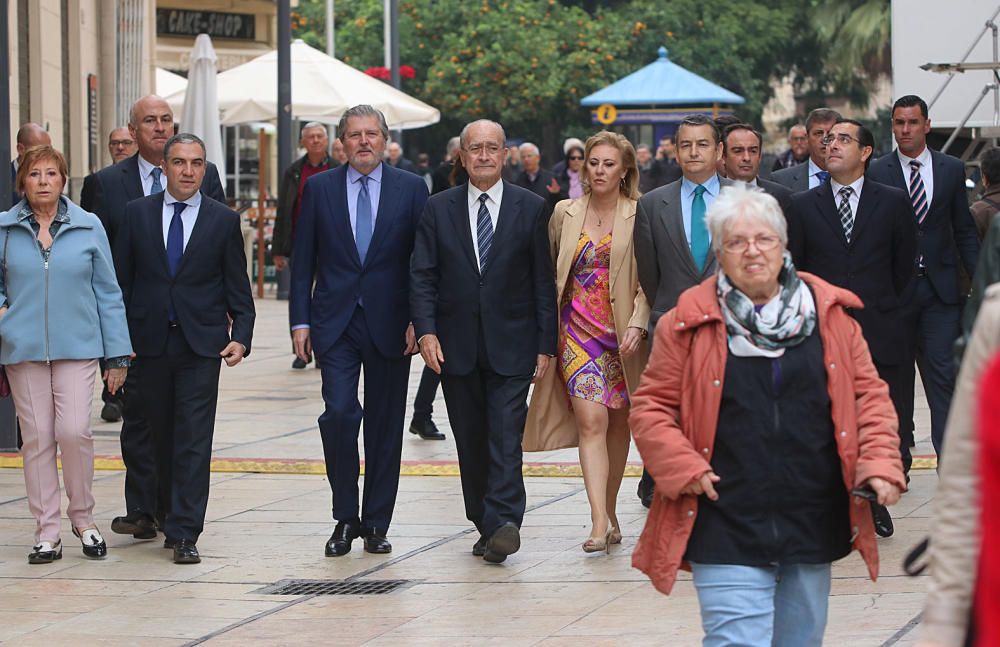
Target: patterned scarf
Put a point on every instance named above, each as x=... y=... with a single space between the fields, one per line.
x=785 y=321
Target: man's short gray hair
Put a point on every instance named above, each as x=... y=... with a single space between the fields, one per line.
x=184 y=138
x=528 y=147
x=311 y=125
x=464 y=135
x=363 y=110
x=741 y=199
x=453 y=145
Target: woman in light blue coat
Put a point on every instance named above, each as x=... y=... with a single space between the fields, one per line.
x=60 y=311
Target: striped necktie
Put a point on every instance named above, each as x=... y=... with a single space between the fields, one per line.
x=484 y=232
x=918 y=195
x=846 y=216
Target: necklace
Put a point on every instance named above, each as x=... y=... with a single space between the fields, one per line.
x=598 y=215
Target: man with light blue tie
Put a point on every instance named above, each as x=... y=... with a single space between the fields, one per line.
x=349 y=303
x=672 y=244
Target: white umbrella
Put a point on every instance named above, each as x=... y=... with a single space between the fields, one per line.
x=168 y=83
x=322 y=89
x=201 y=106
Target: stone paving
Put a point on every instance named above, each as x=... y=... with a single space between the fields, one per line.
x=266 y=527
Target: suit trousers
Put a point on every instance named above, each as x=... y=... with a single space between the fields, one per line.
x=179 y=391
x=895 y=377
x=147 y=475
x=53 y=403
x=423 y=404
x=487 y=412
x=383 y=413
x=936 y=325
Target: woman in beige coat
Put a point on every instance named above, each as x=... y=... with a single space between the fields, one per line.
x=602 y=331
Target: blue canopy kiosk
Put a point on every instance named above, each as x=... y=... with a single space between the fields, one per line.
x=650 y=102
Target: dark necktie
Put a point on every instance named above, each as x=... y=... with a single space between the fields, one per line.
x=823 y=176
x=156 y=187
x=484 y=232
x=699 y=233
x=846 y=217
x=363 y=224
x=918 y=194
x=175 y=248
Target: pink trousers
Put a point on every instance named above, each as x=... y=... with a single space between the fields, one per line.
x=53 y=403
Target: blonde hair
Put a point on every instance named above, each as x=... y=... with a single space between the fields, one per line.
x=629 y=186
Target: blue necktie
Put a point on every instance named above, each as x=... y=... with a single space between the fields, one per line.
x=175 y=248
x=823 y=176
x=484 y=232
x=699 y=233
x=363 y=224
x=157 y=187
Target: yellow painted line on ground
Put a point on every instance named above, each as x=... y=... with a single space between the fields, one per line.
x=310 y=467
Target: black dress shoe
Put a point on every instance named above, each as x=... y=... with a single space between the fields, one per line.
x=111 y=412
x=45 y=553
x=505 y=541
x=426 y=429
x=479 y=548
x=376 y=543
x=135 y=524
x=298 y=363
x=882 y=520
x=645 y=492
x=93 y=543
x=185 y=552
x=340 y=541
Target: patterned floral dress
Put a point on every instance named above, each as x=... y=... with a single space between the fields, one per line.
x=588 y=346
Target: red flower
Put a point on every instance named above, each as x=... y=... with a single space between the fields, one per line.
x=382 y=73
x=407 y=72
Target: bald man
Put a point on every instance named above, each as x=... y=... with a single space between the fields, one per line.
x=28 y=135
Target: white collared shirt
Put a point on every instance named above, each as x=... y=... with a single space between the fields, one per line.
x=495 y=194
x=188 y=216
x=926 y=172
x=146 y=176
x=855 y=198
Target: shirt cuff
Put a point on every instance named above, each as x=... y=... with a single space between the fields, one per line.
x=301 y=327
x=118 y=362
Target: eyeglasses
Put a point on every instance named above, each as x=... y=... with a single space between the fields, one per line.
x=740 y=245
x=843 y=139
x=476 y=149
x=121 y=142
x=574 y=158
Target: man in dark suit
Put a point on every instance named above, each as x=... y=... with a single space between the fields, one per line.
x=28 y=135
x=395 y=158
x=105 y=193
x=861 y=235
x=798 y=149
x=670 y=237
x=947 y=238
x=484 y=309
x=803 y=177
x=536 y=179
x=354 y=239
x=741 y=151
x=181 y=266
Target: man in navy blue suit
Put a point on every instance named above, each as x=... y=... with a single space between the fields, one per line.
x=28 y=135
x=946 y=235
x=181 y=266
x=354 y=238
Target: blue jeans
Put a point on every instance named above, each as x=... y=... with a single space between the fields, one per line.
x=775 y=606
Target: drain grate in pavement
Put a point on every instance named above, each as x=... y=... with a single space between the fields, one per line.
x=333 y=587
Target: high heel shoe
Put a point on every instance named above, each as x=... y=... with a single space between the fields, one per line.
x=94 y=546
x=615 y=537
x=592 y=545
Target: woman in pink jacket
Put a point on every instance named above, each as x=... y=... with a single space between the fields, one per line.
x=763 y=421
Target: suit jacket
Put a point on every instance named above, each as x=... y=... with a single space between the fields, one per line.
x=15 y=197
x=551 y=423
x=662 y=254
x=325 y=250
x=947 y=235
x=106 y=192
x=404 y=165
x=795 y=177
x=540 y=187
x=210 y=287
x=779 y=192
x=512 y=304
x=877 y=265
